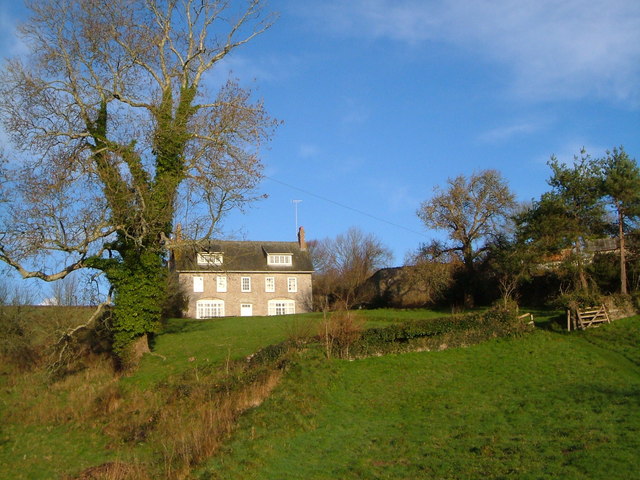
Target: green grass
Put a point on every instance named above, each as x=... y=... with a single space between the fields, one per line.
x=621 y=337
x=38 y=451
x=544 y=405
x=541 y=406
x=384 y=316
x=187 y=344
x=45 y=430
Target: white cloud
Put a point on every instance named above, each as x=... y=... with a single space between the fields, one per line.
x=50 y=301
x=396 y=195
x=566 y=152
x=250 y=70
x=553 y=48
x=507 y=132
x=308 y=150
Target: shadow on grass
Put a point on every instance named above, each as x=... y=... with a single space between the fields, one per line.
x=183 y=325
x=548 y=319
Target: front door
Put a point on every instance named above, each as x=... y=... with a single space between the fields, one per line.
x=246 y=310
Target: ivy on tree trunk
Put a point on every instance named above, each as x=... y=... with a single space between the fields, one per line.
x=116 y=141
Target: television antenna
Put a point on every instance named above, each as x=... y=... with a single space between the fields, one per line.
x=295 y=206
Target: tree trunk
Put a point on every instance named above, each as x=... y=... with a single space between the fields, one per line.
x=469 y=276
x=582 y=277
x=136 y=350
x=139 y=282
x=623 y=266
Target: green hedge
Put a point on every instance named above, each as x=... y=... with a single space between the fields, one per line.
x=271 y=354
x=455 y=330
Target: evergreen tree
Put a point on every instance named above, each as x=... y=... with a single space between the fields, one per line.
x=621 y=187
x=565 y=218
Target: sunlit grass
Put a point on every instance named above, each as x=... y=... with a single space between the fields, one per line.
x=544 y=405
x=46 y=451
x=187 y=344
x=43 y=423
x=540 y=406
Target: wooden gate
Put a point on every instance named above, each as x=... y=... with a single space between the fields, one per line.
x=587 y=317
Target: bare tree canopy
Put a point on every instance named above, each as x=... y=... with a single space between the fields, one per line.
x=344 y=263
x=117 y=136
x=470 y=210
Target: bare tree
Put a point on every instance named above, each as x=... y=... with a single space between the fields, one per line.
x=472 y=211
x=117 y=138
x=12 y=294
x=344 y=263
x=67 y=291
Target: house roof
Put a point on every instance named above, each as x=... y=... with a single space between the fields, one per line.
x=243 y=256
x=602 y=245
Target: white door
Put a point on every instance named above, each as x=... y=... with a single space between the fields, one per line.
x=246 y=310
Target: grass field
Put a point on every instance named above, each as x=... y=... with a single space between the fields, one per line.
x=188 y=344
x=48 y=429
x=543 y=405
x=546 y=405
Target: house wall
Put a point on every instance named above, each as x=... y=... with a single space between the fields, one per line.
x=258 y=297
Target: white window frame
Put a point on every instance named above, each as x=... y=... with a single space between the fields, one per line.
x=285 y=259
x=214 y=259
x=282 y=307
x=245 y=284
x=198 y=284
x=269 y=284
x=209 y=308
x=292 y=284
x=221 y=284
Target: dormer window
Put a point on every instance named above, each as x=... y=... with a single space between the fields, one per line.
x=210 y=259
x=279 y=259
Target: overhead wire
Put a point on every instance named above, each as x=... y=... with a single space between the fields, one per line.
x=346 y=207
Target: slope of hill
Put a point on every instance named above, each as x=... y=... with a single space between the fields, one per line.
x=546 y=405
x=541 y=405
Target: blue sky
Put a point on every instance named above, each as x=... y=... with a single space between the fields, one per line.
x=382 y=100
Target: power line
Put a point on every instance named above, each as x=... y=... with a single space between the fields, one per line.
x=346 y=207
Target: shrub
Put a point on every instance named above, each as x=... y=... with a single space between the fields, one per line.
x=339 y=331
x=16 y=343
x=60 y=337
x=77 y=348
x=299 y=330
x=176 y=300
x=578 y=299
x=463 y=329
x=270 y=355
x=635 y=300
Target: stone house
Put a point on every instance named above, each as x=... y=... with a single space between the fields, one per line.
x=245 y=278
x=590 y=248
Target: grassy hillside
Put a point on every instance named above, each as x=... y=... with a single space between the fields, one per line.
x=52 y=428
x=546 y=405
x=541 y=405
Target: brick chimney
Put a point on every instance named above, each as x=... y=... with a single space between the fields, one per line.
x=301 y=241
